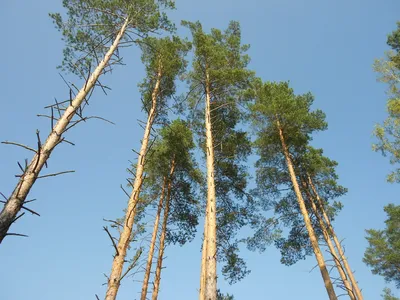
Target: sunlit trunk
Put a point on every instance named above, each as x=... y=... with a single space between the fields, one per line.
x=211 y=232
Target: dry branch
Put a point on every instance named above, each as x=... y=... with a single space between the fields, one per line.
x=112 y=239
x=19 y=145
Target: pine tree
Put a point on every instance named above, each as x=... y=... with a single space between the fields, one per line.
x=284 y=124
x=219 y=75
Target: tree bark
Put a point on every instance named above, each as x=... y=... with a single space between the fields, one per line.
x=328 y=240
x=211 y=237
x=203 y=266
x=152 y=243
x=27 y=180
x=124 y=240
x=161 y=248
x=343 y=258
x=303 y=209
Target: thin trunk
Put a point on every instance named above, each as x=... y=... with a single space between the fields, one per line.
x=343 y=258
x=211 y=237
x=328 y=240
x=27 y=180
x=203 y=261
x=152 y=243
x=161 y=247
x=303 y=209
x=124 y=239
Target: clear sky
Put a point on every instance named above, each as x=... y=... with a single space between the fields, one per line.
x=326 y=47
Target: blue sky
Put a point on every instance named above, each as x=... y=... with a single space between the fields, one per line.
x=326 y=47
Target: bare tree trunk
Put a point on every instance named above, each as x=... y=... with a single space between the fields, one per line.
x=203 y=261
x=124 y=239
x=332 y=250
x=161 y=248
x=152 y=243
x=303 y=209
x=27 y=180
x=211 y=237
x=343 y=258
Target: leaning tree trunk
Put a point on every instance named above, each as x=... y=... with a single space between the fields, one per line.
x=307 y=221
x=152 y=243
x=161 y=247
x=27 y=180
x=210 y=291
x=332 y=250
x=343 y=258
x=124 y=239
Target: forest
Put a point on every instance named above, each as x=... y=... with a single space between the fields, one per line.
x=161 y=149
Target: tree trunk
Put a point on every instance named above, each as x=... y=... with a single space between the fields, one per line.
x=343 y=258
x=124 y=239
x=161 y=247
x=27 y=180
x=303 y=209
x=203 y=261
x=152 y=243
x=327 y=238
x=211 y=233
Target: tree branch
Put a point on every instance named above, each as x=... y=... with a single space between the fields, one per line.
x=19 y=145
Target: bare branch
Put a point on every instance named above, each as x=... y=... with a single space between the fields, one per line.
x=17 y=218
x=27 y=209
x=133 y=264
x=17 y=234
x=19 y=145
x=56 y=174
x=112 y=240
x=126 y=193
x=114 y=222
x=5 y=198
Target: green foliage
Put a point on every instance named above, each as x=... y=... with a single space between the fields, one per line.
x=91 y=26
x=222 y=56
x=388 y=133
x=387 y=295
x=383 y=252
x=221 y=296
x=394 y=42
x=163 y=57
x=273 y=103
x=175 y=144
x=277 y=102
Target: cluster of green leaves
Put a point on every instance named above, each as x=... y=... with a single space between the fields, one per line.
x=387 y=295
x=164 y=60
x=388 y=133
x=91 y=26
x=383 y=252
x=221 y=56
x=222 y=296
x=175 y=145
